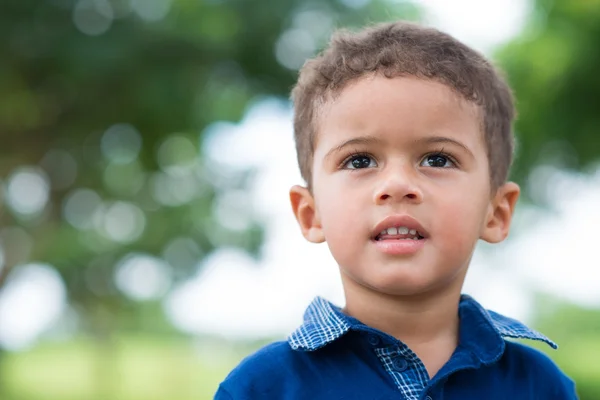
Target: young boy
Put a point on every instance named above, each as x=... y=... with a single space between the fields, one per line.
x=404 y=137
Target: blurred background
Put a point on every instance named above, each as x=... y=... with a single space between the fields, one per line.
x=146 y=242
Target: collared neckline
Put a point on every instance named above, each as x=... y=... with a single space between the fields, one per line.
x=323 y=324
x=482 y=331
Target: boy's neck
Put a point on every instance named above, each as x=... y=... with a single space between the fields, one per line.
x=428 y=324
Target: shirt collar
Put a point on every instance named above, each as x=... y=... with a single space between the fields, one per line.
x=482 y=331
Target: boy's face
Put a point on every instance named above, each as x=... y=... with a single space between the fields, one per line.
x=395 y=156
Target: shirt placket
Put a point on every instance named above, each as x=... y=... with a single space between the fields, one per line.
x=404 y=367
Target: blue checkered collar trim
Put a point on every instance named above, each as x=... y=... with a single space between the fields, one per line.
x=325 y=322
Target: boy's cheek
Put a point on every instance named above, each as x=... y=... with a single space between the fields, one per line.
x=344 y=220
x=461 y=221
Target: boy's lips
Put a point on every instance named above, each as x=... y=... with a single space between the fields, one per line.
x=400 y=243
x=396 y=221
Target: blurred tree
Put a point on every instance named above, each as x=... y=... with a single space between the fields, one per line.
x=552 y=68
x=103 y=108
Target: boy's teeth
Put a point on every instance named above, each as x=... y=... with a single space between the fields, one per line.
x=402 y=230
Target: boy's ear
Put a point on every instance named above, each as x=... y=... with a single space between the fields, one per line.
x=303 y=205
x=500 y=213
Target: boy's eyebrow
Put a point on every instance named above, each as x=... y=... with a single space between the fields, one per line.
x=443 y=139
x=354 y=141
x=362 y=140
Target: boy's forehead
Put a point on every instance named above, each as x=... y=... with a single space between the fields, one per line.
x=374 y=103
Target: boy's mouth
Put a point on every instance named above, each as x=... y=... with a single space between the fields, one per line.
x=399 y=227
x=399 y=233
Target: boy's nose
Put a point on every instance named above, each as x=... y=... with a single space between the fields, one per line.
x=398 y=187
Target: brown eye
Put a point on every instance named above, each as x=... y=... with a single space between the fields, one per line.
x=360 y=162
x=437 y=161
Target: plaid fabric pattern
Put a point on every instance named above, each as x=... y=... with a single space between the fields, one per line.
x=324 y=323
x=408 y=372
x=508 y=327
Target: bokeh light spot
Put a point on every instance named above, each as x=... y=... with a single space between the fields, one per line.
x=182 y=253
x=142 y=277
x=177 y=155
x=318 y=22
x=294 y=47
x=151 y=10
x=93 y=17
x=123 y=222
x=176 y=190
x=233 y=210
x=121 y=143
x=79 y=208
x=28 y=191
x=33 y=298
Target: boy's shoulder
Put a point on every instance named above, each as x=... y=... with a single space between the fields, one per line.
x=508 y=360
x=519 y=372
x=504 y=365
x=260 y=373
x=287 y=366
x=267 y=359
x=530 y=364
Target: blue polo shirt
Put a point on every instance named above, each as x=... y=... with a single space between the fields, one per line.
x=334 y=356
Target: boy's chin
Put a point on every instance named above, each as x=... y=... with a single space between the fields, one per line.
x=410 y=288
x=405 y=291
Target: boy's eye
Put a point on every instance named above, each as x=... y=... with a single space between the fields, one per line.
x=437 y=161
x=360 y=161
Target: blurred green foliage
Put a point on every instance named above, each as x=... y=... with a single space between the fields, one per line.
x=552 y=68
